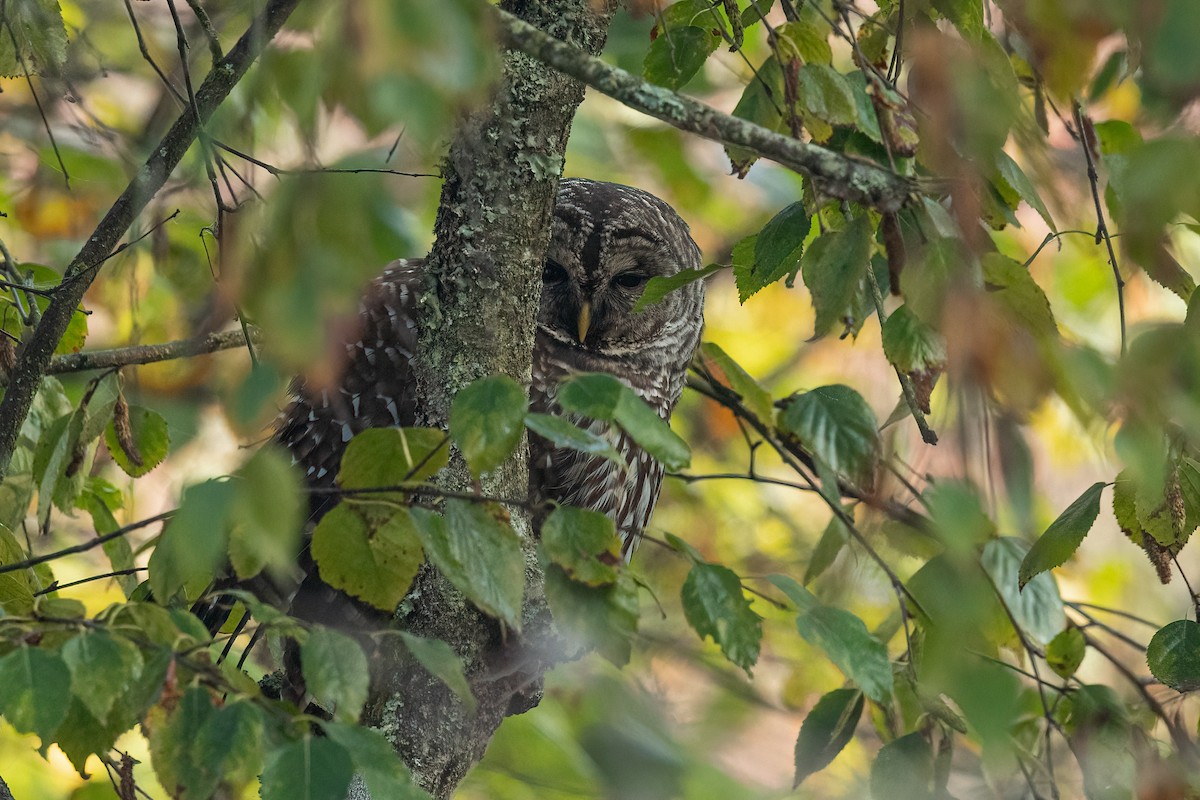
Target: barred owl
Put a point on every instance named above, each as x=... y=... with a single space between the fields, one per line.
x=607 y=241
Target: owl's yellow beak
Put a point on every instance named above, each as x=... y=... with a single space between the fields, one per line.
x=585 y=320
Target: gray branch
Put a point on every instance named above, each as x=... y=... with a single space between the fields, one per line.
x=37 y=349
x=138 y=354
x=834 y=174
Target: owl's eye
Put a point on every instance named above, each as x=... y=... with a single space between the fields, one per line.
x=553 y=272
x=630 y=280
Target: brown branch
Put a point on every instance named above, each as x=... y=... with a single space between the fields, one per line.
x=38 y=348
x=835 y=174
x=88 y=545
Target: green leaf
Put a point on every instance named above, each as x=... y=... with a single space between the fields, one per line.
x=833 y=267
x=660 y=286
x=267 y=514
x=807 y=37
x=376 y=761
x=903 y=769
x=600 y=617
x=1099 y=730
x=584 y=543
x=1065 y=652
x=1035 y=605
x=677 y=55
x=443 y=663
x=843 y=637
x=476 y=549
x=368 y=550
x=753 y=396
x=486 y=421
x=714 y=605
x=35 y=690
x=1011 y=284
x=230 y=741
x=379 y=457
x=193 y=543
x=151 y=439
x=81 y=735
x=832 y=540
x=594 y=395
x=1064 y=535
x=773 y=253
x=759 y=104
x=178 y=767
x=16 y=588
x=314 y=768
x=838 y=426
x=1174 y=655
x=1018 y=180
x=967 y=16
x=563 y=433
x=827 y=729
x=118 y=550
x=603 y=397
x=41 y=39
x=336 y=672
x=911 y=345
x=824 y=93
x=102 y=668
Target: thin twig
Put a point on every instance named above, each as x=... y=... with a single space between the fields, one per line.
x=277 y=171
x=89 y=545
x=1082 y=129
x=54 y=587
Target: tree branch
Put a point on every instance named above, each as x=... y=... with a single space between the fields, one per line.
x=834 y=174
x=147 y=353
x=38 y=348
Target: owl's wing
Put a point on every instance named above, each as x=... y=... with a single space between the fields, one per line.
x=375 y=388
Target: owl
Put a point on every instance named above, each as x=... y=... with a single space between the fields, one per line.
x=607 y=241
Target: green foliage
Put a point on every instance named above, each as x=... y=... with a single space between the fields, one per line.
x=35 y=691
x=1065 y=652
x=380 y=457
x=563 y=433
x=476 y=549
x=677 y=54
x=827 y=729
x=486 y=421
x=838 y=427
x=771 y=254
x=335 y=671
x=1063 y=537
x=149 y=437
x=584 y=544
x=368 y=550
x=604 y=398
x=715 y=606
x=314 y=767
x=1174 y=655
x=441 y=661
x=34 y=40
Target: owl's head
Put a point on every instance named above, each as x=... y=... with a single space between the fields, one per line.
x=607 y=241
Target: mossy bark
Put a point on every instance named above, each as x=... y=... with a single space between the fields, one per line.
x=492 y=228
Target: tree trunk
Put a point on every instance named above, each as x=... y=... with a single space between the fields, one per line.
x=492 y=229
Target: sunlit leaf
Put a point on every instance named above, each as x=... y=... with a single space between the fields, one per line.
x=40 y=37
x=194 y=542
x=753 y=396
x=369 y=551
x=379 y=457
x=150 y=437
x=660 y=286
x=603 y=397
x=267 y=512
x=102 y=668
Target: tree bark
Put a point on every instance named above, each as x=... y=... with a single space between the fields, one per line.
x=492 y=229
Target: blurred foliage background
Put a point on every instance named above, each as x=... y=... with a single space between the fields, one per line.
x=378 y=86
